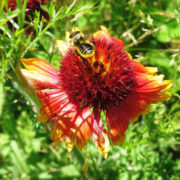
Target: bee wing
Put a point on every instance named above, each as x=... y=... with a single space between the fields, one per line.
x=63 y=46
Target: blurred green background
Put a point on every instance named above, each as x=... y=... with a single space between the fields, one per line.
x=151 y=33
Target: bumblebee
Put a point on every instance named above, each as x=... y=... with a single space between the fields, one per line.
x=85 y=48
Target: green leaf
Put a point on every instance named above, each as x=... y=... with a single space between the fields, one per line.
x=19 y=157
x=163 y=35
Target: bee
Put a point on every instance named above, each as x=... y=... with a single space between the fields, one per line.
x=84 y=47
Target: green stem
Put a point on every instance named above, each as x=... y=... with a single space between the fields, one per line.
x=42 y=32
x=81 y=159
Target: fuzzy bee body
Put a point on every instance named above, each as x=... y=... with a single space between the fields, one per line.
x=77 y=37
x=84 y=47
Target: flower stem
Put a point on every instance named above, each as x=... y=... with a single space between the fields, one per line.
x=81 y=159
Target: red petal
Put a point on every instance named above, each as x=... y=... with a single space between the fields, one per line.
x=150 y=87
x=118 y=121
x=55 y=103
x=40 y=74
x=70 y=121
x=104 y=34
x=100 y=136
x=12 y=4
x=84 y=128
x=75 y=127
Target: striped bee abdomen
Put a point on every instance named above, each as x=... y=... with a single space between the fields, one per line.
x=85 y=48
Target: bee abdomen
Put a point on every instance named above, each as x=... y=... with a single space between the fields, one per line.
x=85 y=48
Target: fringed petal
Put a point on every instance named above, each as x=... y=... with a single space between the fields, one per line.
x=117 y=118
x=54 y=103
x=70 y=141
x=150 y=87
x=135 y=106
x=100 y=136
x=69 y=122
x=84 y=128
x=56 y=131
x=64 y=127
x=104 y=34
x=75 y=128
x=40 y=74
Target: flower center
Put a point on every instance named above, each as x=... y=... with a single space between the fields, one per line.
x=106 y=78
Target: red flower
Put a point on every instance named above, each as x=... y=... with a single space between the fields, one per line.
x=109 y=81
x=32 y=6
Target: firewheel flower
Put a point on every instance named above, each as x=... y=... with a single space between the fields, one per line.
x=31 y=8
x=110 y=81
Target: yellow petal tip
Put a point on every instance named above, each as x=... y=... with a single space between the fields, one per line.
x=69 y=144
x=42 y=117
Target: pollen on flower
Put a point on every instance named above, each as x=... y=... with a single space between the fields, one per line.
x=74 y=96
